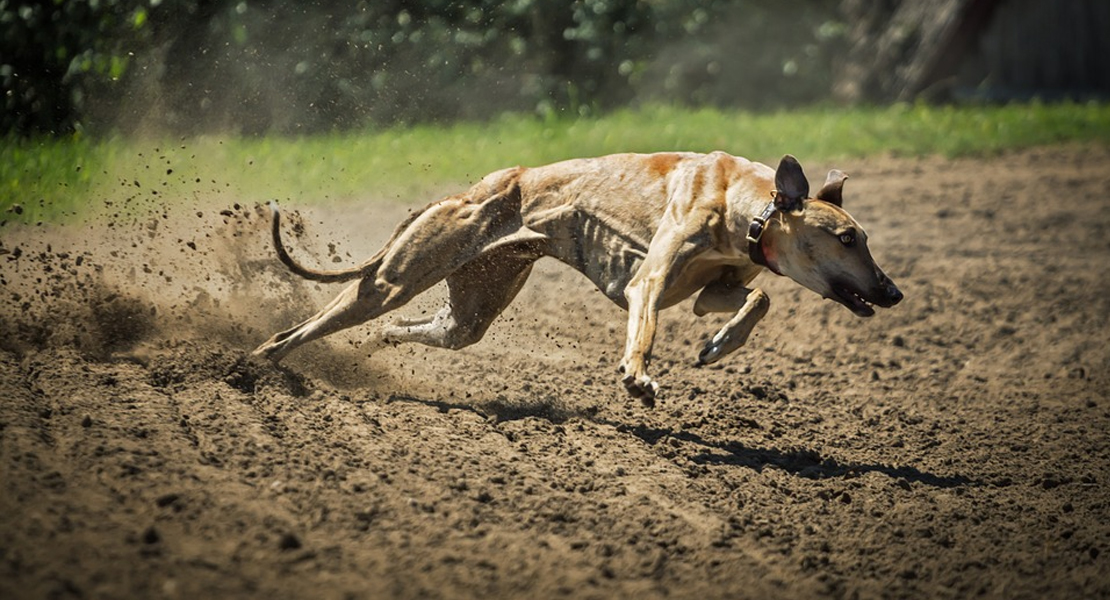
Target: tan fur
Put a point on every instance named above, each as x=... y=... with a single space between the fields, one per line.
x=648 y=230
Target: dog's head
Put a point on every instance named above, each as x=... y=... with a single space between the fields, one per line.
x=818 y=244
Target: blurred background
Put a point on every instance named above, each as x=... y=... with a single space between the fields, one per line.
x=259 y=67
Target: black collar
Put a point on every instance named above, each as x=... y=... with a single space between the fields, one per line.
x=755 y=235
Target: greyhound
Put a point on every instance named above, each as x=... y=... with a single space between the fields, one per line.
x=649 y=230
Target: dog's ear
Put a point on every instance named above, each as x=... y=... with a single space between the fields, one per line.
x=834 y=183
x=791 y=184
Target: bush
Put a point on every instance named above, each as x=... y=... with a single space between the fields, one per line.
x=278 y=66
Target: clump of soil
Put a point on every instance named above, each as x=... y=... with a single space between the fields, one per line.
x=64 y=302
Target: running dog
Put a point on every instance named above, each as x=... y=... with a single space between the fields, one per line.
x=649 y=230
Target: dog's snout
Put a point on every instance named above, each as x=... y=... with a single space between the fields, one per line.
x=893 y=293
x=889 y=292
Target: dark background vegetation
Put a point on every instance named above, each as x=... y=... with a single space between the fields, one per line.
x=290 y=67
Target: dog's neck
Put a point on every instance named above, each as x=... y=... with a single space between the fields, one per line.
x=757 y=226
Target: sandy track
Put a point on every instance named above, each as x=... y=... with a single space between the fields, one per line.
x=954 y=446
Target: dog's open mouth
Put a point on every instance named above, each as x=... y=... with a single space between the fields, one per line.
x=853 y=300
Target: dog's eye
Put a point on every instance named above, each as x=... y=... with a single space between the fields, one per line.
x=847 y=238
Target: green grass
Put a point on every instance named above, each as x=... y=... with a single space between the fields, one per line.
x=56 y=179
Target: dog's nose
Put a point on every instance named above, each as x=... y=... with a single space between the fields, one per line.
x=894 y=294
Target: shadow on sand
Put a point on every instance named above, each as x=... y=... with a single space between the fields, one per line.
x=797 y=461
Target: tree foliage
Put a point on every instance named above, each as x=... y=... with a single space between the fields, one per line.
x=259 y=66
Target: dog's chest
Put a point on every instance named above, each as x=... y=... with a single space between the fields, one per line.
x=704 y=269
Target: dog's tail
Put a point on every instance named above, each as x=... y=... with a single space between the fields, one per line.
x=307 y=273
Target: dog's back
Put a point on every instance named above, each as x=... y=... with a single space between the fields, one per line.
x=600 y=214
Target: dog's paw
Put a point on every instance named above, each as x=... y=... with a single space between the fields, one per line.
x=711 y=353
x=641 y=387
x=716 y=348
x=267 y=352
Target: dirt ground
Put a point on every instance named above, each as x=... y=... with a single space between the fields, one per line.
x=954 y=446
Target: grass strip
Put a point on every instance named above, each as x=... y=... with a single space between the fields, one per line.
x=55 y=180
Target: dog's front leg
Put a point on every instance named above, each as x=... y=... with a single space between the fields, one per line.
x=672 y=247
x=643 y=297
x=735 y=333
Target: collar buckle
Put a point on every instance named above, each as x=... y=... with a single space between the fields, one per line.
x=759 y=224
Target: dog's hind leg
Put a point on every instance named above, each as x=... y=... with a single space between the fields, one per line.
x=423 y=251
x=358 y=303
x=478 y=292
x=370 y=297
